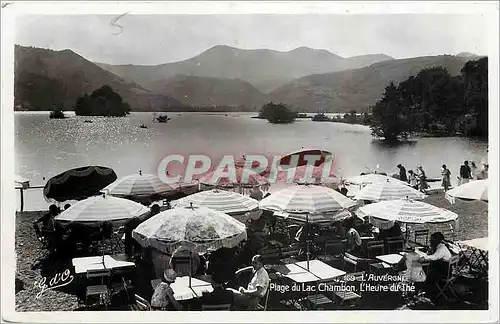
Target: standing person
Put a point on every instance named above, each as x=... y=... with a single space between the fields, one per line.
x=422 y=179
x=465 y=173
x=402 y=173
x=445 y=173
x=413 y=179
x=473 y=171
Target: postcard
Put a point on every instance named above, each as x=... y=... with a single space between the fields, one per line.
x=249 y=161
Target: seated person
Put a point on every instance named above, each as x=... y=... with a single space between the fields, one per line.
x=163 y=296
x=248 y=298
x=438 y=255
x=185 y=261
x=354 y=243
x=220 y=295
x=394 y=231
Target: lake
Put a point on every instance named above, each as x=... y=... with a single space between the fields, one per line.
x=46 y=147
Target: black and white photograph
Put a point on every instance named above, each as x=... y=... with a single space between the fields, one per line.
x=250 y=157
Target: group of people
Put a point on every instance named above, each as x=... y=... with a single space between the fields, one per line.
x=240 y=298
x=418 y=179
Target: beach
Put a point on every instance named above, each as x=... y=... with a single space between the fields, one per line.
x=473 y=221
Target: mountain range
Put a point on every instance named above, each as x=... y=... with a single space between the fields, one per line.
x=304 y=78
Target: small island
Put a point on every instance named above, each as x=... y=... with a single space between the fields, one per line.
x=57 y=114
x=102 y=102
x=277 y=113
x=162 y=119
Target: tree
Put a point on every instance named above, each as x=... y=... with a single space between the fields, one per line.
x=277 y=113
x=388 y=119
x=475 y=79
x=102 y=102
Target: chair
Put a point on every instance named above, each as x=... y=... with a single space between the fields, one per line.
x=394 y=245
x=97 y=290
x=374 y=248
x=422 y=234
x=352 y=260
x=141 y=304
x=332 y=250
x=220 y=307
x=350 y=297
x=119 y=239
x=449 y=280
x=263 y=307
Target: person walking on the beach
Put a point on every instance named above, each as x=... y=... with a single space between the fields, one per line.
x=413 y=179
x=473 y=171
x=402 y=173
x=465 y=173
x=445 y=173
x=422 y=179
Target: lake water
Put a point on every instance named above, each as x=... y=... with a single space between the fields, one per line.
x=46 y=147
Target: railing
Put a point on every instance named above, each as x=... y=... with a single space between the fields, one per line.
x=21 y=191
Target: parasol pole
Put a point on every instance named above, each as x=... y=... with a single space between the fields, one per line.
x=307 y=241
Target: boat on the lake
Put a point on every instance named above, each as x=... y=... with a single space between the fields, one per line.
x=87 y=121
x=143 y=126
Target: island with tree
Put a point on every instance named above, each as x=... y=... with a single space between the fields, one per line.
x=102 y=102
x=277 y=113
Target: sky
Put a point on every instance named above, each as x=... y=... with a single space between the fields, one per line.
x=157 y=39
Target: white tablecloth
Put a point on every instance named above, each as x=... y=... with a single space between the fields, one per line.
x=182 y=291
x=321 y=269
x=391 y=259
x=82 y=265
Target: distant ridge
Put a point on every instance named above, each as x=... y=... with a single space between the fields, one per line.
x=359 y=88
x=265 y=69
x=45 y=78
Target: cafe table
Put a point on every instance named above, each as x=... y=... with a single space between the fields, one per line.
x=391 y=259
x=182 y=290
x=106 y=262
x=320 y=269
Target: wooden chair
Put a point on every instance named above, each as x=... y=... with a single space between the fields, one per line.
x=263 y=302
x=119 y=239
x=374 y=248
x=141 y=304
x=422 y=234
x=332 y=250
x=351 y=298
x=446 y=285
x=394 y=245
x=351 y=260
x=449 y=233
x=97 y=290
x=220 y=307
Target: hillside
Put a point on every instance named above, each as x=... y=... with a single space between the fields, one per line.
x=357 y=89
x=44 y=79
x=265 y=69
x=205 y=91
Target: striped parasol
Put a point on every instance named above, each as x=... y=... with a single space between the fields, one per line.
x=474 y=190
x=367 y=179
x=102 y=208
x=406 y=211
x=306 y=199
x=139 y=186
x=199 y=228
x=391 y=189
x=234 y=204
x=324 y=218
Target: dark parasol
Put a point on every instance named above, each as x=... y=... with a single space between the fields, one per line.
x=79 y=183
